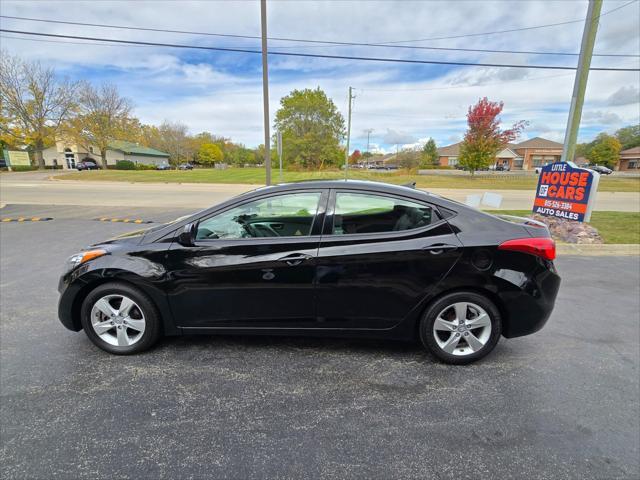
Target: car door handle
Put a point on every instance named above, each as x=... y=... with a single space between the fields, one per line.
x=295 y=259
x=439 y=248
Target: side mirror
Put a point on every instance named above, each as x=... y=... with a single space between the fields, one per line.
x=187 y=237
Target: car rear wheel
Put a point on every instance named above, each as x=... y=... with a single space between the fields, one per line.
x=120 y=319
x=461 y=327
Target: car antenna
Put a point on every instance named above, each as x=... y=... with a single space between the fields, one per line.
x=410 y=185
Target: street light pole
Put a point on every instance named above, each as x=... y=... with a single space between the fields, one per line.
x=580 y=83
x=346 y=155
x=265 y=91
x=369 y=130
x=279 y=140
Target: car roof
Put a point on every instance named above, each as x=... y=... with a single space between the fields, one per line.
x=349 y=184
x=363 y=185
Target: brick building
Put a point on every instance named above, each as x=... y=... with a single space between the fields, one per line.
x=629 y=160
x=526 y=155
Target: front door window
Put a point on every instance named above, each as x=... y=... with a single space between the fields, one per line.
x=287 y=215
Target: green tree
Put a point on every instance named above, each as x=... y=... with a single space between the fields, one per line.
x=408 y=158
x=429 y=154
x=209 y=153
x=312 y=129
x=606 y=151
x=629 y=137
x=484 y=138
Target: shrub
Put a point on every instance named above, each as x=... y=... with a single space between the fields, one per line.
x=125 y=165
x=436 y=167
x=23 y=168
x=144 y=166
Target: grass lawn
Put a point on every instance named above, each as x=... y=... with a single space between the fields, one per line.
x=615 y=227
x=256 y=176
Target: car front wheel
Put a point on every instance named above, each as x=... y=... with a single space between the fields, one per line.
x=120 y=319
x=461 y=328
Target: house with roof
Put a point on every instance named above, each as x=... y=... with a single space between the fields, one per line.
x=66 y=155
x=629 y=160
x=526 y=155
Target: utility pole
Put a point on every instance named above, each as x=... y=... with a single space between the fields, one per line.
x=265 y=91
x=279 y=139
x=346 y=155
x=580 y=83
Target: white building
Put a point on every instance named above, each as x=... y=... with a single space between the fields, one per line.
x=67 y=155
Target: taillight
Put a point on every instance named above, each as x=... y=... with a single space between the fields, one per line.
x=542 y=247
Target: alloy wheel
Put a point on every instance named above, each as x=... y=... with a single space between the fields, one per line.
x=117 y=320
x=462 y=328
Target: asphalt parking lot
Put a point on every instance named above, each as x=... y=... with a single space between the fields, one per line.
x=562 y=403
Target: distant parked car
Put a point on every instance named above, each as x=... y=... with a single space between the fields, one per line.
x=185 y=166
x=163 y=166
x=86 y=165
x=600 y=169
x=502 y=168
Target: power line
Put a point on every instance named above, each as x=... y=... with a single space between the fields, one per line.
x=328 y=43
x=65 y=42
x=317 y=55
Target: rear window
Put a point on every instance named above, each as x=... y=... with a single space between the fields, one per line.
x=362 y=213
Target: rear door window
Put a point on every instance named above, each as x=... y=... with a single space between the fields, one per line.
x=363 y=213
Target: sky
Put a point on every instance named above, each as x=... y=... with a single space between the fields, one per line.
x=402 y=104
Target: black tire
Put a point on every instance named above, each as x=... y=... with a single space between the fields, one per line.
x=153 y=327
x=432 y=312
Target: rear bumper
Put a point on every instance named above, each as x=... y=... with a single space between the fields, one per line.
x=528 y=307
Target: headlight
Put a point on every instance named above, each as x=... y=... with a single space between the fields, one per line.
x=80 y=258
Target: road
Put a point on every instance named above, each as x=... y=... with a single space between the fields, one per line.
x=560 y=404
x=35 y=188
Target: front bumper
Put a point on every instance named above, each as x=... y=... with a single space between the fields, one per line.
x=66 y=303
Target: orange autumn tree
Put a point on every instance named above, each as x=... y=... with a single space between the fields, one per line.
x=484 y=138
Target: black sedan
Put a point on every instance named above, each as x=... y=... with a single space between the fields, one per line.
x=602 y=170
x=330 y=258
x=87 y=165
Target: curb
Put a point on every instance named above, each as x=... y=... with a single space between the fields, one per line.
x=26 y=219
x=122 y=220
x=597 y=250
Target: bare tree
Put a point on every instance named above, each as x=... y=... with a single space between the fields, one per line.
x=34 y=103
x=172 y=138
x=104 y=116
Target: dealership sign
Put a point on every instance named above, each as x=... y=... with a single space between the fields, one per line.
x=566 y=191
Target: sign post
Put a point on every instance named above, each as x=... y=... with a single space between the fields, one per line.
x=566 y=191
x=279 y=141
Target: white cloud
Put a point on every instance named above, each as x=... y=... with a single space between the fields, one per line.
x=222 y=92
x=601 y=118
x=394 y=137
x=624 y=96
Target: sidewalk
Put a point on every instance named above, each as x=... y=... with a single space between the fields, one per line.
x=606 y=250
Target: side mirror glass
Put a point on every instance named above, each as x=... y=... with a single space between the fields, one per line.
x=187 y=237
